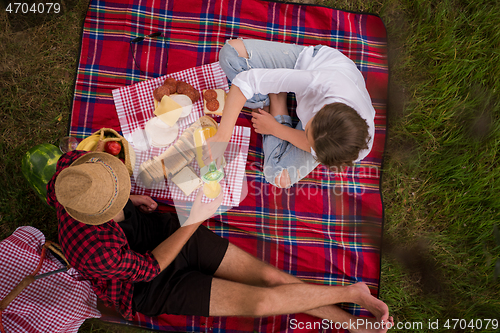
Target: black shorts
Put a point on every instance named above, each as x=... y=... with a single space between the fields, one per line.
x=183 y=287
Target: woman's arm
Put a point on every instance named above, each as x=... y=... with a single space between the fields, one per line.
x=264 y=123
x=217 y=144
x=245 y=85
x=294 y=136
x=233 y=105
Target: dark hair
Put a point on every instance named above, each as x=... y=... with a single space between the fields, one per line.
x=339 y=134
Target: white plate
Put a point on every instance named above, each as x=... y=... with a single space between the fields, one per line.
x=185 y=102
x=160 y=133
x=141 y=139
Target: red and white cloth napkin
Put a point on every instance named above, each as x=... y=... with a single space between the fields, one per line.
x=57 y=303
x=135 y=106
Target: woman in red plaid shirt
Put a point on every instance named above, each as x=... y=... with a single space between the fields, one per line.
x=141 y=260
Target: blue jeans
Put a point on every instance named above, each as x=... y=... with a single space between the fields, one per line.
x=278 y=154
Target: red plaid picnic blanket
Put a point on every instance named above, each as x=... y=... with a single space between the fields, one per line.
x=135 y=106
x=326 y=229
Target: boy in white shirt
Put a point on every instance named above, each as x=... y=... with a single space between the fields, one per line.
x=336 y=116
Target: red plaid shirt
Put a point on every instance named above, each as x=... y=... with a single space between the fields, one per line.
x=101 y=253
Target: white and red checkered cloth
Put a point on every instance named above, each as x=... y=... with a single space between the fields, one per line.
x=135 y=106
x=57 y=303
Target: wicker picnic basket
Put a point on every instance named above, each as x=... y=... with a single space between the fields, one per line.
x=109 y=134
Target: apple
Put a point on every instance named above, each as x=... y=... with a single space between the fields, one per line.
x=113 y=147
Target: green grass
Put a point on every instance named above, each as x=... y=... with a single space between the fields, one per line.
x=441 y=175
x=441 y=172
x=37 y=70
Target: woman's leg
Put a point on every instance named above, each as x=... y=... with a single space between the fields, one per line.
x=285 y=164
x=239 y=55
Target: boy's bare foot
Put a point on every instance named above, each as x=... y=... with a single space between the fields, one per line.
x=363 y=297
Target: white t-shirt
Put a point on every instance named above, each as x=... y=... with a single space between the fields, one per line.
x=328 y=77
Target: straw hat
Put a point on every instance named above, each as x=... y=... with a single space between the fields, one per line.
x=94 y=189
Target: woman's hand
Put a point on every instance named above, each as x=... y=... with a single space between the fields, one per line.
x=264 y=123
x=144 y=202
x=202 y=211
x=216 y=145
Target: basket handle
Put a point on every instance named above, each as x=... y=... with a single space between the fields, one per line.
x=16 y=291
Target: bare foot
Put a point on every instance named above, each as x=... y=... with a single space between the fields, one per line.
x=364 y=298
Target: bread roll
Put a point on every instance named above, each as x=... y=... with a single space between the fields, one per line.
x=221 y=99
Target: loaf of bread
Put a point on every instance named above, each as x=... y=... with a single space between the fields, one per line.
x=175 y=158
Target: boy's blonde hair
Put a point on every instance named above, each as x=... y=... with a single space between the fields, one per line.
x=339 y=134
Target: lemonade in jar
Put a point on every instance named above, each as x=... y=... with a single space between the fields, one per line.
x=210 y=175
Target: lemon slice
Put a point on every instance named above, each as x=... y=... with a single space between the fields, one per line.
x=211 y=189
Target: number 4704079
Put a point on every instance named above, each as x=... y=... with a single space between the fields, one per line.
x=37 y=8
x=478 y=324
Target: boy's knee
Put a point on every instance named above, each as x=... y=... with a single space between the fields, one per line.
x=264 y=303
x=273 y=277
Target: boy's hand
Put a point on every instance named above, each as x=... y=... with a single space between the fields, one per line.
x=213 y=149
x=263 y=122
x=144 y=202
